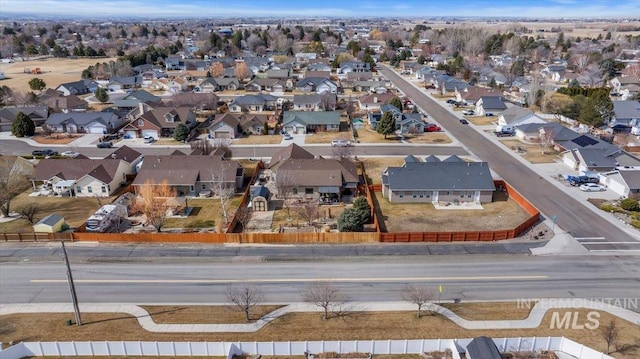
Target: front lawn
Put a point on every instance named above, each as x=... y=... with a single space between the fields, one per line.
x=75 y=210
x=371 y=136
x=327 y=137
x=428 y=137
x=482 y=120
x=532 y=152
x=258 y=140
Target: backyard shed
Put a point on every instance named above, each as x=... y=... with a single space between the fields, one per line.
x=49 y=224
x=260 y=198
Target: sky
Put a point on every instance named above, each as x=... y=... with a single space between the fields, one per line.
x=311 y=8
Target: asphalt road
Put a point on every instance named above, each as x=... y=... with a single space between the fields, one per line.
x=573 y=216
x=186 y=281
x=16 y=147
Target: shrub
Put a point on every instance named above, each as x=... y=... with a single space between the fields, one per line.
x=635 y=223
x=609 y=207
x=630 y=204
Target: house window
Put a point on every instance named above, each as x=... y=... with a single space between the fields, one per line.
x=204 y=186
x=400 y=194
x=428 y=194
x=295 y=190
x=415 y=195
x=308 y=190
x=469 y=194
x=78 y=189
x=169 y=118
x=421 y=194
x=104 y=189
x=140 y=123
x=89 y=189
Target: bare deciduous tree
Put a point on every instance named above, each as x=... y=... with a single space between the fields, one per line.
x=153 y=201
x=324 y=295
x=216 y=69
x=610 y=335
x=245 y=298
x=308 y=211
x=12 y=183
x=546 y=138
x=241 y=71
x=222 y=186
x=285 y=183
x=29 y=212
x=418 y=295
x=243 y=215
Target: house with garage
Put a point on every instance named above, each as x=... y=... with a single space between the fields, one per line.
x=446 y=84
x=373 y=102
x=269 y=85
x=83 y=177
x=470 y=95
x=305 y=57
x=435 y=181
x=81 y=87
x=218 y=84
x=160 y=121
x=625 y=86
x=353 y=66
x=303 y=122
x=490 y=105
x=84 y=122
x=516 y=116
x=124 y=83
x=317 y=66
x=37 y=114
x=410 y=123
x=376 y=87
x=316 y=84
x=191 y=174
x=129 y=155
x=135 y=98
x=316 y=179
x=599 y=157
x=253 y=103
x=624 y=181
x=315 y=102
x=225 y=126
x=59 y=103
x=625 y=114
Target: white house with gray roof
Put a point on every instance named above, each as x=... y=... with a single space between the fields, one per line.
x=624 y=181
x=84 y=122
x=316 y=84
x=434 y=181
x=302 y=122
x=490 y=105
x=626 y=113
x=516 y=116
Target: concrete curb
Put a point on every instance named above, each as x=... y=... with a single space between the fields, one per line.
x=538 y=311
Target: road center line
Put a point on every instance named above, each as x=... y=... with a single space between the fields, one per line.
x=293 y=280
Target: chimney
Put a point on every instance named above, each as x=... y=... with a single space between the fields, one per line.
x=375 y=99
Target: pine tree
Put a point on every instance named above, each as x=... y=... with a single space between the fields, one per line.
x=387 y=124
x=180 y=133
x=23 y=126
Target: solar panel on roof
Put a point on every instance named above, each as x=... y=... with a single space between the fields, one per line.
x=584 y=141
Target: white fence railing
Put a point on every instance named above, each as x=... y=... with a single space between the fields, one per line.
x=410 y=346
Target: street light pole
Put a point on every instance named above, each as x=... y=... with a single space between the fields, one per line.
x=72 y=288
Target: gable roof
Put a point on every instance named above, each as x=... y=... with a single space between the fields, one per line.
x=515 y=113
x=312 y=117
x=482 y=348
x=376 y=98
x=492 y=102
x=125 y=153
x=449 y=174
x=319 y=171
x=76 y=168
x=51 y=219
x=184 y=169
x=291 y=151
x=315 y=81
x=81 y=118
x=157 y=116
x=473 y=93
x=8 y=114
x=631 y=178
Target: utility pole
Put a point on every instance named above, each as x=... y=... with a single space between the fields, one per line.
x=72 y=287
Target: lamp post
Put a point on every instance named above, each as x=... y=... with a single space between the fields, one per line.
x=72 y=287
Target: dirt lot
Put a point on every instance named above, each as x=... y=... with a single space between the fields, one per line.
x=54 y=71
x=423 y=217
x=532 y=152
x=296 y=327
x=327 y=214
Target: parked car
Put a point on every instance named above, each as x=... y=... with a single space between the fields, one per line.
x=468 y=112
x=464 y=121
x=106 y=144
x=451 y=101
x=288 y=136
x=44 y=153
x=580 y=180
x=340 y=143
x=489 y=114
x=149 y=140
x=71 y=154
x=505 y=133
x=592 y=187
x=431 y=127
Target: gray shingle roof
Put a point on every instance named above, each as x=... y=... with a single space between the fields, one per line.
x=81 y=118
x=632 y=178
x=51 y=219
x=492 y=102
x=626 y=110
x=482 y=348
x=440 y=176
x=312 y=117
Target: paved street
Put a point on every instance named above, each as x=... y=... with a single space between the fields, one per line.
x=573 y=216
x=174 y=280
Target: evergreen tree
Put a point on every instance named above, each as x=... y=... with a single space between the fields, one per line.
x=181 y=132
x=350 y=220
x=387 y=124
x=102 y=95
x=395 y=102
x=22 y=126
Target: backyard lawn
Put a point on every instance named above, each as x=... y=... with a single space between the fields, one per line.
x=423 y=217
x=374 y=167
x=326 y=214
x=205 y=214
x=74 y=210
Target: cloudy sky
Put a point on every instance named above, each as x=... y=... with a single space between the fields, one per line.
x=341 y=8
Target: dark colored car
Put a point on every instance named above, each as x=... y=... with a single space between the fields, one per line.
x=505 y=133
x=106 y=144
x=464 y=121
x=44 y=153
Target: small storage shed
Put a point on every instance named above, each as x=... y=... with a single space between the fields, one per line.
x=260 y=198
x=49 y=224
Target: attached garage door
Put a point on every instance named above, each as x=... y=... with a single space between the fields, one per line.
x=150 y=133
x=222 y=134
x=95 y=130
x=131 y=134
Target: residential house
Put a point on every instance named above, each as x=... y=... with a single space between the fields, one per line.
x=316 y=179
x=269 y=85
x=469 y=95
x=254 y=124
x=435 y=181
x=225 y=126
x=410 y=67
x=129 y=155
x=16 y=166
x=82 y=177
x=160 y=121
x=357 y=124
x=410 y=123
x=305 y=57
x=37 y=114
x=135 y=98
x=84 y=122
x=599 y=157
x=191 y=174
x=315 y=102
x=516 y=116
x=302 y=122
x=59 y=103
x=448 y=85
x=625 y=113
x=318 y=66
x=218 y=84
x=253 y=103
x=490 y=105
x=124 y=83
x=359 y=76
x=482 y=348
x=81 y=87
x=174 y=64
x=51 y=223
x=316 y=84
x=624 y=181
x=353 y=66
x=554 y=72
x=377 y=87
x=283 y=74
x=626 y=86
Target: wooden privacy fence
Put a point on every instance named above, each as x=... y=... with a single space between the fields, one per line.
x=34 y=237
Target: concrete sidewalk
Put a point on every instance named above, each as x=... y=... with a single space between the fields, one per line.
x=534 y=319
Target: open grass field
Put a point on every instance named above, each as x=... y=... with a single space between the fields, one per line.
x=298 y=327
x=532 y=152
x=55 y=71
x=75 y=210
x=423 y=217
